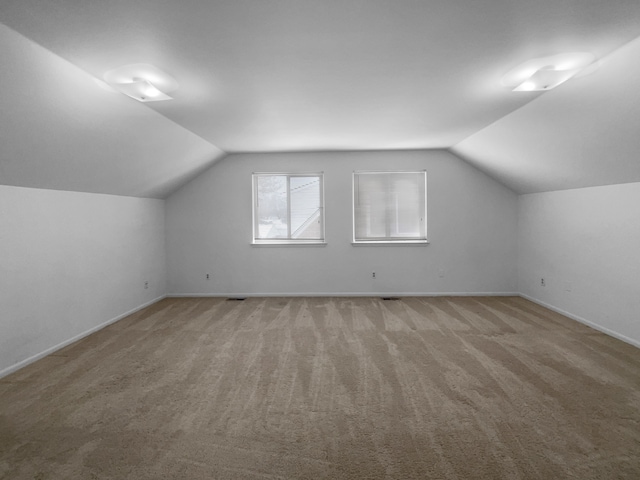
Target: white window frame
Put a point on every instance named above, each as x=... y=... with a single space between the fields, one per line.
x=286 y=241
x=389 y=240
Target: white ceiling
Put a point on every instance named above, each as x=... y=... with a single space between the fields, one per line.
x=301 y=75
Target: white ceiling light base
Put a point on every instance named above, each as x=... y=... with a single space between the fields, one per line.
x=545 y=73
x=142 y=82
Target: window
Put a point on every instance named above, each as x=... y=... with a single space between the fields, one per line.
x=288 y=208
x=389 y=207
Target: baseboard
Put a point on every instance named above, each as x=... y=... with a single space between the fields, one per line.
x=584 y=321
x=346 y=294
x=48 y=351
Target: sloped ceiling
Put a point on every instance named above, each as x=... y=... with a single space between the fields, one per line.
x=292 y=75
x=60 y=130
x=584 y=133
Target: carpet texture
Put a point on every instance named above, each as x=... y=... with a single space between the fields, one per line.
x=335 y=388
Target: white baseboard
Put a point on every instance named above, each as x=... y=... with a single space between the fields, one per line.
x=584 y=321
x=346 y=294
x=48 y=351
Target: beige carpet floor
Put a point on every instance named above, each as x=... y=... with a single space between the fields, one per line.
x=336 y=388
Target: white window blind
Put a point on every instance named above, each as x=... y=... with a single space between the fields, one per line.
x=288 y=208
x=389 y=207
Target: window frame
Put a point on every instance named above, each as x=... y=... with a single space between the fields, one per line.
x=286 y=241
x=388 y=240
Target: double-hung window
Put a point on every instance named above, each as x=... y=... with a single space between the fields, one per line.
x=288 y=208
x=390 y=207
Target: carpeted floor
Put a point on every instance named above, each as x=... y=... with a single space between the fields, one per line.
x=339 y=388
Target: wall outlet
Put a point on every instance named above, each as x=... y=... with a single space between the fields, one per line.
x=146 y=285
x=373 y=275
x=207 y=276
x=542 y=284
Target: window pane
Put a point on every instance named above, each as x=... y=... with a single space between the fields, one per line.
x=288 y=207
x=306 y=206
x=389 y=206
x=272 y=206
x=370 y=206
x=405 y=203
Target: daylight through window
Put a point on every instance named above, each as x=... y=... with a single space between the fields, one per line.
x=390 y=207
x=288 y=208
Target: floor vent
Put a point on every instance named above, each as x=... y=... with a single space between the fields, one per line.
x=390 y=298
x=236 y=299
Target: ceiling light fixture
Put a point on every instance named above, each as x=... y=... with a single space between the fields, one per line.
x=545 y=73
x=142 y=81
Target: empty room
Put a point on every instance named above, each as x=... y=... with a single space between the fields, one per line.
x=296 y=239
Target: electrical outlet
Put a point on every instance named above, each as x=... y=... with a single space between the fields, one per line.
x=373 y=275
x=207 y=276
x=542 y=284
x=146 y=285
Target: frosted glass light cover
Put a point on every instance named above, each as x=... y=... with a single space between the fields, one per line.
x=142 y=91
x=545 y=79
x=142 y=81
x=545 y=73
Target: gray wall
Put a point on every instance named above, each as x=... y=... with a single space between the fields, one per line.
x=472 y=226
x=71 y=263
x=585 y=244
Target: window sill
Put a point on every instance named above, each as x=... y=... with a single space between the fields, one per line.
x=391 y=243
x=288 y=244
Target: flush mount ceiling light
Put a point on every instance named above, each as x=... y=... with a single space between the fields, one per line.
x=142 y=81
x=545 y=73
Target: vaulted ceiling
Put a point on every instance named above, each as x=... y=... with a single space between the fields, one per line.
x=308 y=75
